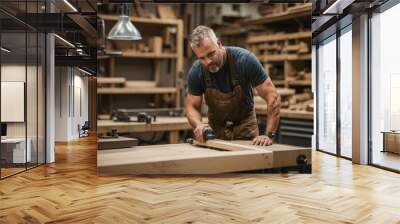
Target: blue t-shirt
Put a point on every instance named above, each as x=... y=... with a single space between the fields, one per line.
x=249 y=70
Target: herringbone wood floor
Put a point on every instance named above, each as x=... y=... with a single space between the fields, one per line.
x=70 y=191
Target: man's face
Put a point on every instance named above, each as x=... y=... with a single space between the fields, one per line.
x=210 y=54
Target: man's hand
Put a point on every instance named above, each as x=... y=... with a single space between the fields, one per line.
x=262 y=140
x=198 y=132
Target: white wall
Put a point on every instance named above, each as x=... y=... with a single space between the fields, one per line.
x=71 y=94
x=14 y=73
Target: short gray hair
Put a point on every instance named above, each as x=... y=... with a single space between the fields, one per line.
x=199 y=34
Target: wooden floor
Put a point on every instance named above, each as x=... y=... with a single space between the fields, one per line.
x=70 y=191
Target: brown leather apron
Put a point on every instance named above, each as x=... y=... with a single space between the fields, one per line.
x=228 y=113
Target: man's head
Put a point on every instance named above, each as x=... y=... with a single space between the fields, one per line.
x=207 y=48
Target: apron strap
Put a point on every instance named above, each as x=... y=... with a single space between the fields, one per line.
x=232 y=69
x=207 y=79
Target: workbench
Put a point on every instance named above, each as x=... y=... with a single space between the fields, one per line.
x=185 y=158
x=172 y=125
x=295 y=127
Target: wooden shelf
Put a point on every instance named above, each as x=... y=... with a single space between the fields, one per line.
x=147 y=55
x=279 y=82
x=111 y=80
x=284 y=57
x=105 y=57
x=125 y=90
x=278 y=37
x=285 y=113
x=141 y=20
x=155 y=55
x=299 y=83
x=291 y=13
x=285 y=91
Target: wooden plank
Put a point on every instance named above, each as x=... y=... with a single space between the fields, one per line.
x=112 y=66
x=180 y=159
x=190 y=159
x=103 y=57
x=285 y=113
x=157 y=72
x=125 y=90
x=103 y=116
x=277 y=37
x=156 y=44
x=140 y=84
x=299 y=83
x=161 y=124
x=285 y=91
x=279 y=82
x=135 y=54
x=111 y=80
x=224 y=145
x=283 y=155
x=173 y=137
x=283 y=57
x=179 y=62
x=166 y=12
x=116 y=143
x=283 y=16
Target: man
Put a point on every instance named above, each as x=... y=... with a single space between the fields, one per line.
x=226 y=76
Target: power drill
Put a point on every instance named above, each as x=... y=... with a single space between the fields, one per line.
x=208 y=133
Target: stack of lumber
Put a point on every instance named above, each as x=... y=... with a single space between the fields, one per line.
x=302 y=102
x=280 y=45
x=123 y=82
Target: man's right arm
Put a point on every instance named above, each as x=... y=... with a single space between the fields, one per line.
x=192 y=109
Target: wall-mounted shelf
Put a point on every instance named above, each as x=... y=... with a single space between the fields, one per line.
x=284 y=57
x=278 y=37
x=299 y=83
x=126 y=90
x=104 y=57
x=141 y=20
x=111 y=80
x=290 y=13
x=150 y=55
x=162 y=49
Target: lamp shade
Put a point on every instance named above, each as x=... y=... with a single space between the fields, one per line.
x=124 y=29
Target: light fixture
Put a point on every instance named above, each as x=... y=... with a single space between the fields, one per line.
x=5 y=49
x=84 y=71
x=124 y=29
x=65 y=41
x=337 y=7
x=70 y=6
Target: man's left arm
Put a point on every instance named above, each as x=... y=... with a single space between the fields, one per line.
x=268 y=92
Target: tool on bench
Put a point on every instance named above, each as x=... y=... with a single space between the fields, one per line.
x=165 y=112
x=208 y=134
x=144 y=117
x=117 y=115
x=122 y=116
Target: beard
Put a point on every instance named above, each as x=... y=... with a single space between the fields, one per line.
x=215 y=68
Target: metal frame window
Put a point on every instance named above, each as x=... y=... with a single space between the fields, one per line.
x=34 y=44
x=335 y=37
x=371 y=76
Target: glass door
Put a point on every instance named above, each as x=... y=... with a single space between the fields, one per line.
x=326 y=94
x=345 y=49
x=385 y=89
